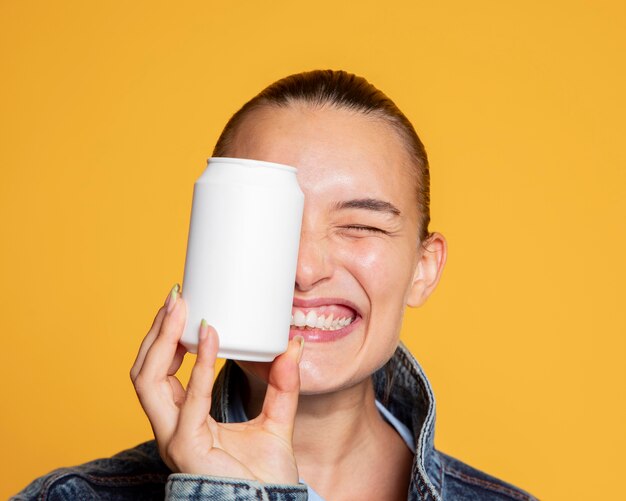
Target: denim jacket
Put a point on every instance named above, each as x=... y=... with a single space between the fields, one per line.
x=140 y=474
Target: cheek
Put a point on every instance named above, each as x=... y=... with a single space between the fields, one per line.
x=382 y=269
x=384 y=272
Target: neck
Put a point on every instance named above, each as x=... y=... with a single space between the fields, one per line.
x=332 y=430
x=331 y=426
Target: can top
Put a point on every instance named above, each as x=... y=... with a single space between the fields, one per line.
x=251 y=162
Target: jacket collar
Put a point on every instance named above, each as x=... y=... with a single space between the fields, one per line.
x=401 y=386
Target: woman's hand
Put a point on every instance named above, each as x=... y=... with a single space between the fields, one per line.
x=189 y=439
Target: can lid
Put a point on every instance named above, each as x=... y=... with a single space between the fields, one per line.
x=251 y=162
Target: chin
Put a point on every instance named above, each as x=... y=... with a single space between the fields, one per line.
x=317 y=379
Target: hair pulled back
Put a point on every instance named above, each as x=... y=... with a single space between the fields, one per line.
x=347 y=91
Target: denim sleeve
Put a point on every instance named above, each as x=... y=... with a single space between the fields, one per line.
x=188 y=487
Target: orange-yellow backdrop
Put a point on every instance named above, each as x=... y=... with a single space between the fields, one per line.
x=108 y=111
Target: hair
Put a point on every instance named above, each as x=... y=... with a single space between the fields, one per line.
x=342 y=90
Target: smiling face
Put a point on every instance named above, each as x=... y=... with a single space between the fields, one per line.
x=359 y=247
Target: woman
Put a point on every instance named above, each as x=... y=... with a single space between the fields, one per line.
x=345 y=412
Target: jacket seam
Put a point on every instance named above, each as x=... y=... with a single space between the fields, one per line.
x=243 y=483
x=487 y=484
x=130 y=479
x=251 y=488
x=51 y=482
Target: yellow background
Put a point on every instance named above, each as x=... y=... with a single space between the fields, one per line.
x=108 y=111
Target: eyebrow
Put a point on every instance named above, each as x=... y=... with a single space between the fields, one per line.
x=368 y=204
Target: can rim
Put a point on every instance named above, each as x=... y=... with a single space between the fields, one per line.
x=249 y=162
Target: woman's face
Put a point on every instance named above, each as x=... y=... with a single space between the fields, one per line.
x=359 y=249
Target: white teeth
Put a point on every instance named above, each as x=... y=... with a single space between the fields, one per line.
x=329 y=321
x=299 y=320
x=312 y=321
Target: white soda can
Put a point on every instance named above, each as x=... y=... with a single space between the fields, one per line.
x=242 y=254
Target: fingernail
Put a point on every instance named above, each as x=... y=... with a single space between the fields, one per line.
x=171 y=298
x=203 y=330
x=169 y=294
x=300 y=339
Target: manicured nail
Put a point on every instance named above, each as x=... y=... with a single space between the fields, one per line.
x=203 y=330
x=171 y=298
x=300 y=339
x=169 y=294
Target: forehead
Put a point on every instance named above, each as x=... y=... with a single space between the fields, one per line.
x=339 y=153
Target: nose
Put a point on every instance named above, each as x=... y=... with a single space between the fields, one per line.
x=314 y=266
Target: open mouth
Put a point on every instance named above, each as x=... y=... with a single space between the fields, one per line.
x=324 y=322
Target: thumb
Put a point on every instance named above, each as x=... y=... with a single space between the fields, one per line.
x=283 y=389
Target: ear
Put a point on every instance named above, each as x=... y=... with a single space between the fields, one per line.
x=431 y=260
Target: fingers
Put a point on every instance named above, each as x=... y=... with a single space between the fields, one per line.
x=162 y=351
x=177 y=361
x=194 y=412
x=147 y=342
x=158 y=397
x=283 y=388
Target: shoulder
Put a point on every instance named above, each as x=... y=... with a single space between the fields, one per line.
x=133 y=473
x=463 y=482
